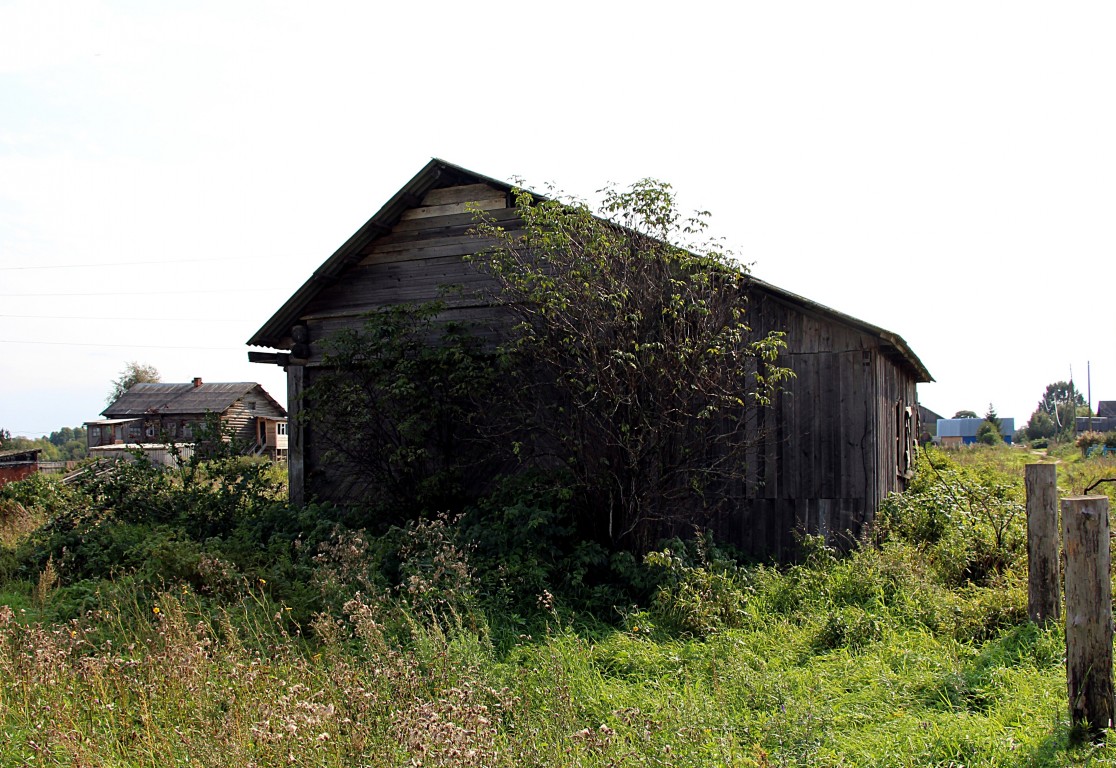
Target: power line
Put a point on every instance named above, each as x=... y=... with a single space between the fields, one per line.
x=133 y=263
x=134 y=293
x=124 y=346
x=143 y=319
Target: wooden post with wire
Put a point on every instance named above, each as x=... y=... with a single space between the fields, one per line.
x=1088 y=613
x=1044 y=588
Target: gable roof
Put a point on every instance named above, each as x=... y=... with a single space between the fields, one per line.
x=275 y=333
x=186 y=398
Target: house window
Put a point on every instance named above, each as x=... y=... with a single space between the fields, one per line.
x=281 y=428
x=135 y=432
x=150 y=431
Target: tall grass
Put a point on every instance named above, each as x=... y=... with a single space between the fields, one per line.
x=890 y=656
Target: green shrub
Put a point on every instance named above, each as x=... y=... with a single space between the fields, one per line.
x=1087 y=441
x=988 y=434
x=969 y=521
x=700 y=592
x=849 y=627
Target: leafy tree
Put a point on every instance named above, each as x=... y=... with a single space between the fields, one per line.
x=636 y=365
x=966 y=415
x=5 y=437
x=133 y=373
x=1054 y=415
x=1040 y=426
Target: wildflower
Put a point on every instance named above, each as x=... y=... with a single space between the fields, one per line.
x=155 y=609
x=263 y=581
x=635 y=629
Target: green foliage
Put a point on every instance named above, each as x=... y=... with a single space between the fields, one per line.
x=1040 y=426
x=966 y=415
x=992 y=418
x=968 y=521
x=1056 y=411
x=633 y=358
x=988 y=433
x=399 y=408
x=66 y=444
x=133 y=373
x=45 y=495
x=288 y=634
x=700 y=591
x=1087 y=441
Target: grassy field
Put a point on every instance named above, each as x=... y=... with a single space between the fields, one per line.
x=912 y=652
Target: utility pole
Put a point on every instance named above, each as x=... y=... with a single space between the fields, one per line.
x=1089 y=389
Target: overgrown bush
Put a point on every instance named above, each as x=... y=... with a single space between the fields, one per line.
x=701 y=591
x=401 y=409
x=1087 y=441
x=970 y=522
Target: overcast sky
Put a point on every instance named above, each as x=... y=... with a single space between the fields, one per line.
x=171 y=172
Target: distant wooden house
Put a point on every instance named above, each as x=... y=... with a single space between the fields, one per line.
x=154 y=415
x=1103 y=421
x=928 y=421
x=18 y=464
x=836 y=442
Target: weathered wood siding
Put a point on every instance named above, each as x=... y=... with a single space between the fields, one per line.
x=240 y=417
x=420 y=260
x=829 y=447
x=831 y=443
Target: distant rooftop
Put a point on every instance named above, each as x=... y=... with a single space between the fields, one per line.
x=189 y=398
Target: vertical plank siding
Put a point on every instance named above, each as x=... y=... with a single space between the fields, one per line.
x=833 y=443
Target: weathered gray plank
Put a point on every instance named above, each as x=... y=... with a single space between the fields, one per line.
x=461 y=194
x=451 y=222
x=296 y=468
x=428 y=211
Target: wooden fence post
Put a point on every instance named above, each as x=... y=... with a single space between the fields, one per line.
x=1088 y=612
x=1044 y=583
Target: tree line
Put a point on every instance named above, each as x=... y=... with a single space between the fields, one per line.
x=65 y=444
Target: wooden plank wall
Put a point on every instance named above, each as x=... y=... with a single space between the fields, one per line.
x=829 y=449
x=826 y=453
x=419 y=260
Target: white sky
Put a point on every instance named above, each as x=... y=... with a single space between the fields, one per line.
x=945 y=170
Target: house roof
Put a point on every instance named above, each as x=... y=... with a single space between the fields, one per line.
x=439 y=173
x=166 y=399
x=21 y=456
